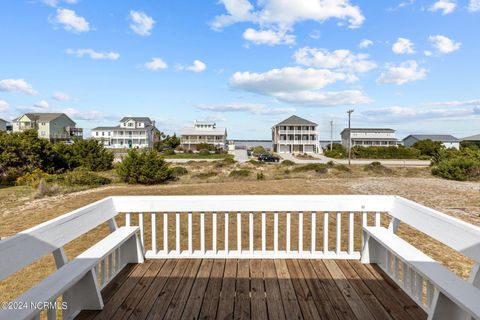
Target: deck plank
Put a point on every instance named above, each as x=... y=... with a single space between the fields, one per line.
x=195 y=300
x=227 y=297
x=289 y=298
x=210 y=305
x=272 y=290
x=242 y=289
x=258 y=303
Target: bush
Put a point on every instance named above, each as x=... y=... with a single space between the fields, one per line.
x=374 y=152
x=260 y=176
x=258 y=150
x=428 y=147
x=169 y=152
x=91 y=155
x=256 y=162
x=377 y=168
x=146 y=167
x=205 y=174
x=337 y=152
x=45 y=189
x=84 y=178
x=317 y=167
x=342 y=167
x=461 y=165
x=179 y=171
x=242 y=173
x=204 y=152
x=205 y=147
x=287 y=163
x=33 y=178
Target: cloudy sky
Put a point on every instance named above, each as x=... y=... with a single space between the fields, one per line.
x=411 y=65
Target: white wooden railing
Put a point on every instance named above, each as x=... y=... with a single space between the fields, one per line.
x=263 y=227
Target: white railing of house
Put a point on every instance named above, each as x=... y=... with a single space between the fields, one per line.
x=264 y=227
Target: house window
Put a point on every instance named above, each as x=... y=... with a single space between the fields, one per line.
x=43 y=123
x=43 y=133
x=96 y=133
x=130 y=124
x=103 y=134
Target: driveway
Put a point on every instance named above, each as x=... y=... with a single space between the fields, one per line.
x=240 y=155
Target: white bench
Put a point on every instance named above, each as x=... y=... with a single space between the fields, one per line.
x=77 y=279
x=451 y=290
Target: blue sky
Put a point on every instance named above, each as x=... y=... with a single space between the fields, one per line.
x=411 y=65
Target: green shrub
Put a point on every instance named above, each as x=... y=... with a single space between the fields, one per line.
x=46 y=189
x=337 y=152
x=204 y=152
x=392 y=152
x=258 y=150
x=331 y=164
x=342 y=167
x=239 y=173
x=428 y=147
x=317 y=167
x=169 y=152
x=33 y=178
x=256 y=162
x=287 y=163
x=91 y=155
x=461 y=165
x=376 y=167
x=205 y=174
x=205 y=146
x=84 y=178
x=179 y=171
x=146 y=167
x=260 y=176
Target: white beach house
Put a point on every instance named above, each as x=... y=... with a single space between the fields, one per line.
x=295 y=135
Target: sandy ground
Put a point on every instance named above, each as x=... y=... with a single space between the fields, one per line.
x=459 y=199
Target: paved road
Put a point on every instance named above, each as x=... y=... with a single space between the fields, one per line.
x=392 y=163
x=240 y=156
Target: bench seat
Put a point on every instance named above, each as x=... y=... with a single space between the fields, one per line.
x=448 y=283
x=69 y=274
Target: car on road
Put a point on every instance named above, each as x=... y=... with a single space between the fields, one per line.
x=266 y=157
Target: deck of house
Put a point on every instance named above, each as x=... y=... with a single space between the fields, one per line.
x=258 y=289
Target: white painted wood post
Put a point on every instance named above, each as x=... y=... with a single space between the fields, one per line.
x=177 y=232
x=202 y=232
x=300 y=232
x=165 y=233
x=154 y=232
x=190 y=234
x=264 y=236
x=313 y=225
x=226 y=232
x=351 y=233
x=288 y=236
x=140 y=224
x=84 y=295
x=275 y=232
x=214 y=232
x=239 y=232
x=325 y=233
x=339 y=233
x=250 y=232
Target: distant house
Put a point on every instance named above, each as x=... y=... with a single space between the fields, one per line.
x=52 y=126
x=368 y=137
x=295 y=135
x=203 y=132
x=475 y=139
x=132 y=132
x=447 y=140
x=3 y=125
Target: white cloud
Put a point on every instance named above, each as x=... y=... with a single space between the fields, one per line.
x=474 y=6
x=3 y=105
x=284 y=14
x=61 y=96
x=141 y=23
x=403 y=46
x=71 y=21
x=404 y=72
x=254 y=108
x=443 y=44
x=446 y=6
x=427 y=53
x=365 y=43
x=42 y=104
x=196 y=66
x=95 y=55
x=341 y=60
x=54 y=3
x=269 y=37
x=17 y=85
x=156 y=64
x=317 y=98
x=454 y=103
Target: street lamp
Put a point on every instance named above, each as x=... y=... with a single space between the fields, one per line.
x=349 y=136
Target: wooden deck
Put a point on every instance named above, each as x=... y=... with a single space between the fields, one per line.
x=256 y=289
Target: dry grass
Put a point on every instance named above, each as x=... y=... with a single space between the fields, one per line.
x=459 y=199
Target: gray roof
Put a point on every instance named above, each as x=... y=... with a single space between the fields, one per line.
x=433 y=137
x=368 y=129
x=3 y=120
x=148 y=127
x=475 y=137
x=44 y=116
x=139 y=119
x=295 y=120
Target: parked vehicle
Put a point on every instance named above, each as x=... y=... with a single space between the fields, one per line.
x=266 y=157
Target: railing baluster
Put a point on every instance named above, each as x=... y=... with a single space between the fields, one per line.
x=339 y=233
x=412 y=281
x=177 y=232
x=202 y=232
x=314 y=232
x=404 y=275
x=140 y=223
x=396 y=267
x=250 y=231
x=430 y=292
x=239 y=232
x=350 y=233
x=103 y=276
x=325 y=233
x=226 y=232
x=419 y=287
x=388 y=269
x=110 y=266
x=154 y=233
x=377 y=219
x=288 y=232
x=275 y=232
x=300 y=232
x=364 y=224
x=190 y=233
x=165 y=232
x=214 y=232
x=128 y=219
x=264 y=236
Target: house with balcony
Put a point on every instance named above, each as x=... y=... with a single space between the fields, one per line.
x=447 y=140
x=51 y=126
x=132 y=132
x=295 y=135
x=3 y=125
x=203 y=132
x=369 y=137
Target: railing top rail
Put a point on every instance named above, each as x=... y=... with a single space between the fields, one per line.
x=254 y=203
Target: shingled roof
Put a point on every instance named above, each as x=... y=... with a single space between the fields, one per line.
x=295 y=120
x=434 y=137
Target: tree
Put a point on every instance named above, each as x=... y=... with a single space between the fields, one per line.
x=147 y=167
x=428 y=147
x=164 y=141
x=90 y=155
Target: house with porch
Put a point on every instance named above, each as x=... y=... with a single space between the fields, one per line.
x=447 y=140
x=51 y=126
x=132 y=132
x=369 y=137
x=203 y=132
x=3 y=125
x=295 y=135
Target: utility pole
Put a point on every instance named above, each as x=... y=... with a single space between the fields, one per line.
x=331 y=135
x=349 y=136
